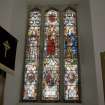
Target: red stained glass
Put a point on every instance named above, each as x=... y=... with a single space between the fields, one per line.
x=50 y=46
x=51 y=59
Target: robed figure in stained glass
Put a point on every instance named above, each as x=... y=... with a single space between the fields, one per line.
x=50 y=45
x=51 y=59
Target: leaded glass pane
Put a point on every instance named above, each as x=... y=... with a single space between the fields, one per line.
x=32 y=56
x=71 y=92
x=50 y=87
x=71 y=77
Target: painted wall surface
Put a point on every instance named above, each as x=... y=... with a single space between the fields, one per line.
x=98 y=29
x=6 y=8
x=13 y=19
x=16 y=25
x=88 y=75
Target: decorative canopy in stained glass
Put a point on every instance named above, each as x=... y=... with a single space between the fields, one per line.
x=51 y=65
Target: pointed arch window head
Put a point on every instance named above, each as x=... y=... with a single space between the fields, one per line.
x=51 y=74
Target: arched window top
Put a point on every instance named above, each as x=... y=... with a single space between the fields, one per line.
x=70 y=10
x=34 y=18
x=51 y=11
x=70 y=20
x=34 y=9
x=51 y=17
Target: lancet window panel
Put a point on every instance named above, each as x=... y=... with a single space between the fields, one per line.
x=71 y=56
x=32 y=56
x=51 y=63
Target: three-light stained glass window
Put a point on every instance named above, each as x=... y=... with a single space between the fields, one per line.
x=44 y=54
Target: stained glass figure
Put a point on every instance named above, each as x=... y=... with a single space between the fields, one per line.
x=51 y=57
x=71 y=56
x=32 y=56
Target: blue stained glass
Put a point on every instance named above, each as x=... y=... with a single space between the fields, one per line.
x=71 y=78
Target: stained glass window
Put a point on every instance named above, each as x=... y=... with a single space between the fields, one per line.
x=51 y=69
x=51 y=57
x=71 y=80
x=32 y=56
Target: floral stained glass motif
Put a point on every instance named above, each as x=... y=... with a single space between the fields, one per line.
x=32 y=56
x=50 y=86
x=71 y=79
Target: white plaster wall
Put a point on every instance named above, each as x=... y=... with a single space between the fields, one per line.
x=13 y=19
x=98 y=29
x=16 y=25
x=6 y=8
x=88 y=73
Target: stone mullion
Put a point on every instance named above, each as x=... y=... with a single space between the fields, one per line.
x=40 y=72
x=61 y=57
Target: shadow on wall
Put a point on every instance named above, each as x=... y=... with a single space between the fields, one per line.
x=2 y=85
